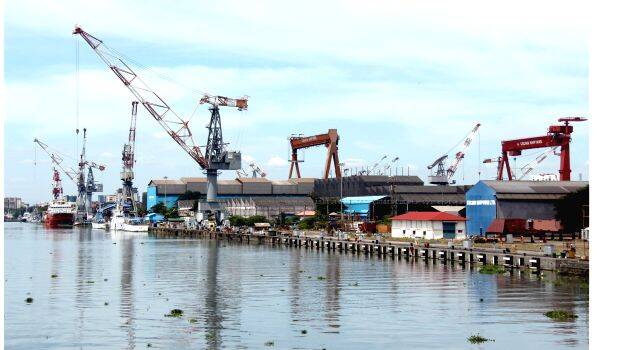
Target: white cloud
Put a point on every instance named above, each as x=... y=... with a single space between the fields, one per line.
x=277 y=162
x=399 y=77
x=107 y=155
x=247 y=158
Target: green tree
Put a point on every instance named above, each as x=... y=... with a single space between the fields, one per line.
x=571 y=208
x=158 y=208
x=237 y=220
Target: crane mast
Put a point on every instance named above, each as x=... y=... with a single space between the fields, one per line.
x=86 y=184
x=127 y=157
x=216 y=157
x=57 y=190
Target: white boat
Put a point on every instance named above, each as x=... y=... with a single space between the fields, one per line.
x=120 y=222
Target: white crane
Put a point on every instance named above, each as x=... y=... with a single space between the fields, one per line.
x=389 y=164
x=370 y=171
x=444 y=176
x=526 y=169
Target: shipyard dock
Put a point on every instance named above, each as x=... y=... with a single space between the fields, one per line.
x=395 y=250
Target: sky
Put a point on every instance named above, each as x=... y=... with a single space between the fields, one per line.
x=404 y=79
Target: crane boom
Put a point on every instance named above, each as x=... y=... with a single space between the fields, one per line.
x=527 y=169
x=170 y=121
x=56 y=159
x=216 y=157
x=461 y=154
x=443 y=176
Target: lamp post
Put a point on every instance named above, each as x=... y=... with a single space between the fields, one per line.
x=166 y=206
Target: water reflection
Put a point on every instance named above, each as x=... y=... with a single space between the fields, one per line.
x=126 y=305
x=245 y=295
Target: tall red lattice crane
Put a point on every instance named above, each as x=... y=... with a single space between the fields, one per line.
x=557 y=136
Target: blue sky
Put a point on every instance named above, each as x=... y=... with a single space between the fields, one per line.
x=402 y=79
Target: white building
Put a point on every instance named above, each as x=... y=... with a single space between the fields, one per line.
x=428 y=225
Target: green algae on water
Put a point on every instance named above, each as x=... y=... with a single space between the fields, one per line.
x=560 y=315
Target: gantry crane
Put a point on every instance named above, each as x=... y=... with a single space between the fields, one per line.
x=329 y=140
x=443 y=176
x=215 y=157
x=557 y=136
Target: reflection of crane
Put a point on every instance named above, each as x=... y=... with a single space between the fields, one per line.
x=557 y=136
x=329 y=140
x=215 y=157
x=444 y=176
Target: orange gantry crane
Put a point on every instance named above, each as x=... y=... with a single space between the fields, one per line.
x=329 y=140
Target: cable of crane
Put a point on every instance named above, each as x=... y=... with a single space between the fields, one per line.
x=151 y=70
x=458 y=143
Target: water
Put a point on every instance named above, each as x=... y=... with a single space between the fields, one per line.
x=246 y=296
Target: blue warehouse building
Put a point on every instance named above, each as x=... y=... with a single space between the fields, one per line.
x=490 y=199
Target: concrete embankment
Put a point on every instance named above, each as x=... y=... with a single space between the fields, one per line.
x=398 y=250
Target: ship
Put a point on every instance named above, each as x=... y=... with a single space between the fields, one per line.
x=60 y=213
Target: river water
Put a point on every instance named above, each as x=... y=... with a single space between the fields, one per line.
x=113 y=291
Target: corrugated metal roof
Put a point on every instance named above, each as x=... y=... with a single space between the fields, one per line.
x=439 y=198
x=167 y=182
x=551 y=187
x=428 y=216
x=529 y=196
x=253 y=180
x=194 y=179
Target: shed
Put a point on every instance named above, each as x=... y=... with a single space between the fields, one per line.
x=362 y=206
x=490 y=199
x=428 y=225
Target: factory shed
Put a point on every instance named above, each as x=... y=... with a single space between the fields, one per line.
x=428 y=225
x=527 y=200
x=268 y=206
x=362 y=206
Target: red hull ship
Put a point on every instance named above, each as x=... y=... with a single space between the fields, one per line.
x=59 y=220
x=59 y=214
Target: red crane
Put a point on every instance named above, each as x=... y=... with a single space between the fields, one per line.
x=557 y=136
x=329 y=140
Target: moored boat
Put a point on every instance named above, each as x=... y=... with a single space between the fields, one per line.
x=59 y=214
